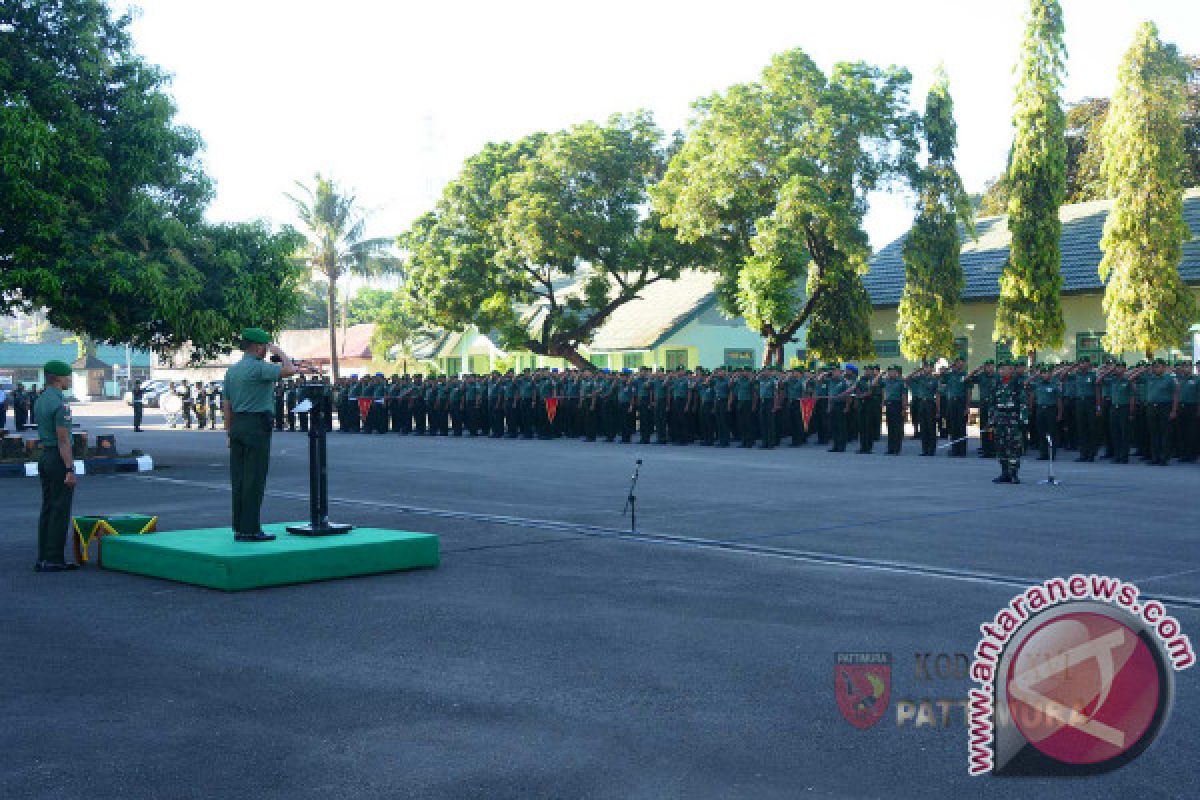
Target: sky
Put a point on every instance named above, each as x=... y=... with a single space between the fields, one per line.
x=389 y=96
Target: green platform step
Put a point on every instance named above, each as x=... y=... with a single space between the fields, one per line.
x=210 y=557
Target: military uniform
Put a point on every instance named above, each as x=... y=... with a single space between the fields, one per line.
x=51 y=413
x=765 y=405
x=20 y=403
x=1162 y=399
x=1048 y=408
x=743 y=398
x=924 y=398
x=835 y=409
x=1120 y=414
x=895 y=399
x=720 y=387
x=249 y=388
x=1008 y=400
x=954 y=391
x=139 y=407
x=1187 y=426
x=986 y=381
x=201 y=406
x=1085 y=413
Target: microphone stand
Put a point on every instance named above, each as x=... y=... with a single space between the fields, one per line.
x=631 y=500
x=318 y=477
x=1050 y=480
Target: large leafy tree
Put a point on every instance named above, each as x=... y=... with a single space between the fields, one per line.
x=540 y=240
x=336 y=244
x=773 y=179
x=933 y=275
x=102 y=195
x=1147 y=304
x=1029 y=313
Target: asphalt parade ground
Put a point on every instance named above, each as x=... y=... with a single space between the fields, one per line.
x=553 y=654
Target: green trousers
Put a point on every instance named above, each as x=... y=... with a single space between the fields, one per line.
x=249 y=458
x=55 y=518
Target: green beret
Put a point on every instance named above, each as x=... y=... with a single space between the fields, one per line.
x=256 y=335
x=60 y=368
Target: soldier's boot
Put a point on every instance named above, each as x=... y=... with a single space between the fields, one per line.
x=1005 y=475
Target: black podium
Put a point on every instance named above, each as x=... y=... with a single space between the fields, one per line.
x=318 y=479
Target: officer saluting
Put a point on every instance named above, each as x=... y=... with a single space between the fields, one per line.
x=56 y=468
x=248 y=411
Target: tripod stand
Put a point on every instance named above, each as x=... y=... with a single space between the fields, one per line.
x=631 y=500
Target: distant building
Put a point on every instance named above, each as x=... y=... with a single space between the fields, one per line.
x=310 y=344
x=983 y=260
x=106 y=370
x=670 y=324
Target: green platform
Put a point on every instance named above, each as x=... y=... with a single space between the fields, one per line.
x=210 y=557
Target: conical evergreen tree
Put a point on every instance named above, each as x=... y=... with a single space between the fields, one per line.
x=1147 y=304
x=1029 y=314
x=933 y=276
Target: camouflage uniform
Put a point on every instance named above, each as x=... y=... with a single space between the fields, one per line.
x=1010 y=415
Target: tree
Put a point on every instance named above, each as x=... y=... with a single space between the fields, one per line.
x=773 y=178
x=1085 y=149
x=104 y=196
x=314 y=307
x=336 y=244
x=540 y=240
x=397 y=329
x=1029 y=313
x=1146 y=302
x=993 y=200
x=932 y=272
x=368 y=305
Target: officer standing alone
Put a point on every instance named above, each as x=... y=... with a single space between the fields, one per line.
x=248 y=412
x=139 y=405
x=56 y=468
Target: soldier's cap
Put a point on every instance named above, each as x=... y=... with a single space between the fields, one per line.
x=1160 y=361
x=626 y=371
x=852 y=368
x=554 y=370
x=256 y=335
x=378 y=374
x=59 y=368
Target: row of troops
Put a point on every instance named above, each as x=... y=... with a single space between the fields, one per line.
x=1149 y=409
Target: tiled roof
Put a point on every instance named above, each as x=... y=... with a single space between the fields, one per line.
x=312 y=344
x=983 y=258
x=658 y=309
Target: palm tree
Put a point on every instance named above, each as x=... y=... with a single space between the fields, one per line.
x=334 y=225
